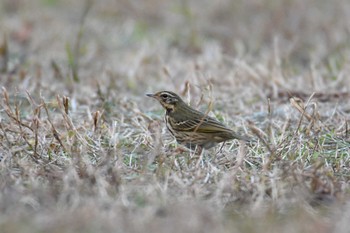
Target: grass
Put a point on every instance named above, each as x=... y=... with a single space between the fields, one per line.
x=83 y=149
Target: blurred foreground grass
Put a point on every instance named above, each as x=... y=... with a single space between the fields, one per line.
x=83 y=150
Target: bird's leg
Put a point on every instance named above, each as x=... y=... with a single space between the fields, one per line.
x=219 y=152
x=197 y=154
x=222 y=146
x=200 y=154
x=198 y=150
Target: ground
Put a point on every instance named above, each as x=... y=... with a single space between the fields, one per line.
x=83 y=149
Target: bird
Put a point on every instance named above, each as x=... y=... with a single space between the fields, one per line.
x=190 y=127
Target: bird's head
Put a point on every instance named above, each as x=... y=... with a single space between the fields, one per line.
x=169 y=100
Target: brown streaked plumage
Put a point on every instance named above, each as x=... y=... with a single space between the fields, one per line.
x=191 y=127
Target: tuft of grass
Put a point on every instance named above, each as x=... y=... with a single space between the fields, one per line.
x=74 y=52
x=92 y=154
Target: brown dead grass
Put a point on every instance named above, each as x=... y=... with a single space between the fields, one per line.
x=83 y=150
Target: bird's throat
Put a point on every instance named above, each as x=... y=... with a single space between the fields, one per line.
x=169 y=109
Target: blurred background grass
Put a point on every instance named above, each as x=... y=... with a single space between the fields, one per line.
x=83 y=149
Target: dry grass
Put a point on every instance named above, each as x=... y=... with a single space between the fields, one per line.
x=83 y=150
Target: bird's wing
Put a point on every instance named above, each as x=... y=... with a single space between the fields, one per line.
x=204 y=125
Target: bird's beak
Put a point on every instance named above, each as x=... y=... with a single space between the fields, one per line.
x=150 y=95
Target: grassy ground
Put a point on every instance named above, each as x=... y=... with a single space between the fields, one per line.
x=83 y=150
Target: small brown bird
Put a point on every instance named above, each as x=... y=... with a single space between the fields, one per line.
x=191 y=127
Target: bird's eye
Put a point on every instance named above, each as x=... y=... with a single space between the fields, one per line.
x=164 y=96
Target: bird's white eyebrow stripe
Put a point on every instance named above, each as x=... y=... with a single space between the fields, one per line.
x=168 y=93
